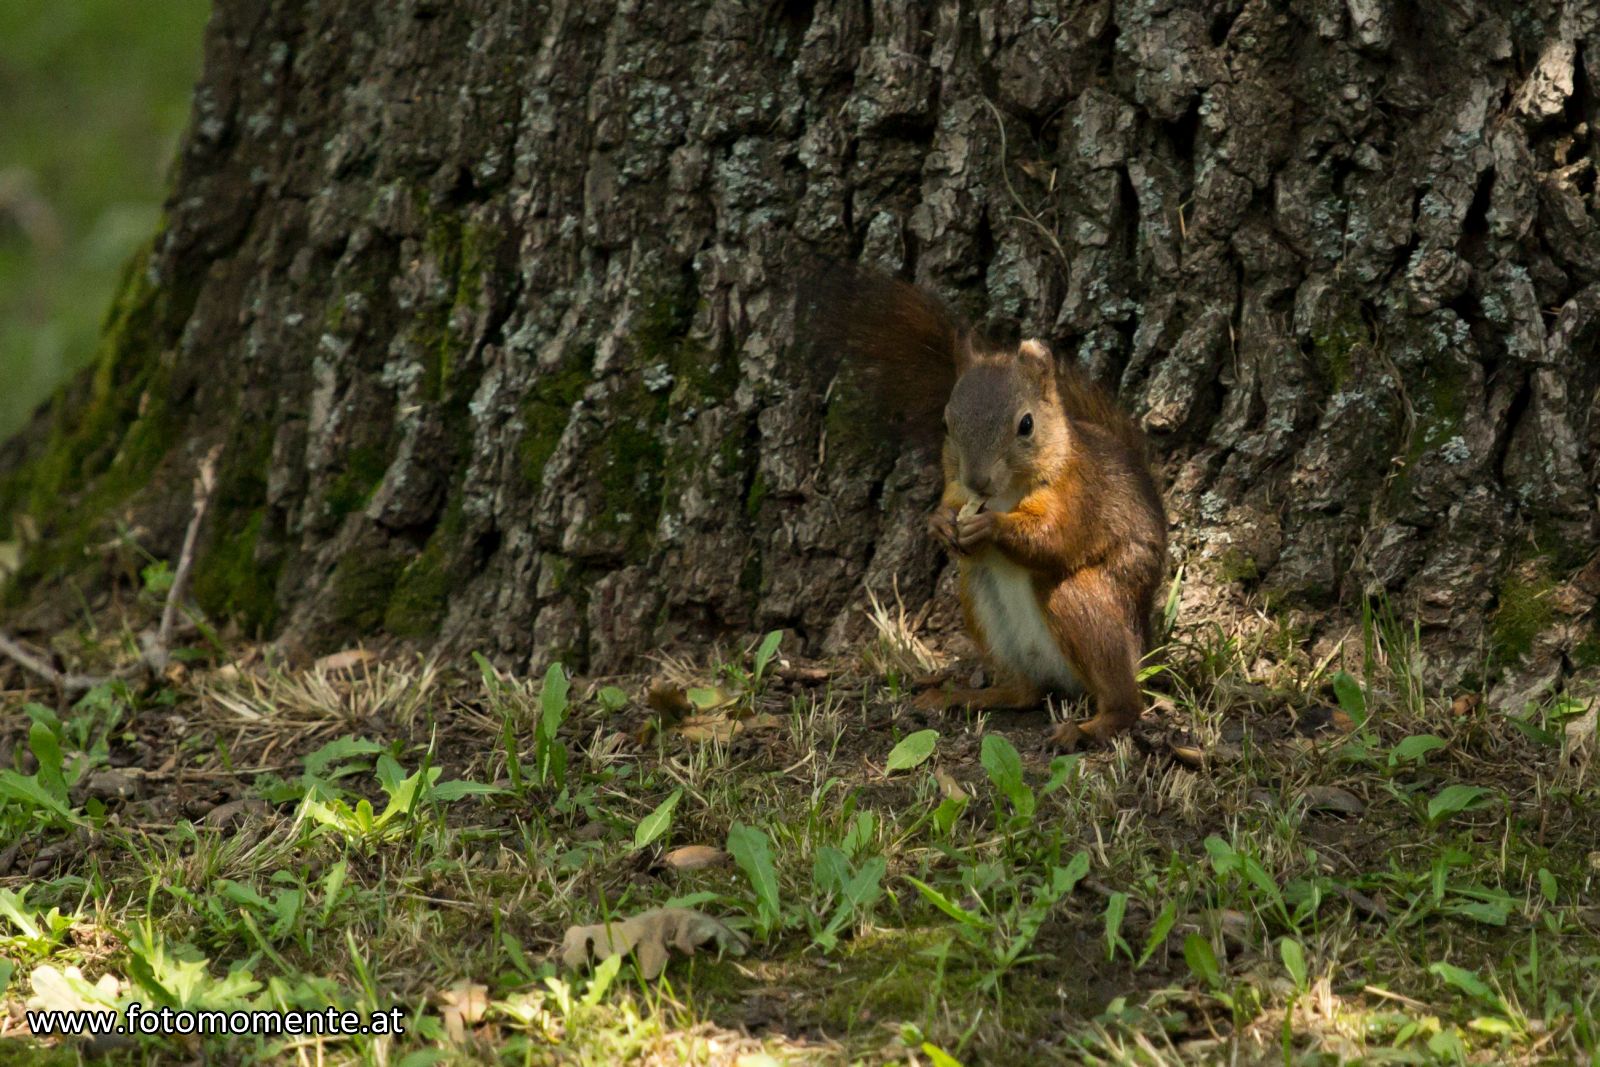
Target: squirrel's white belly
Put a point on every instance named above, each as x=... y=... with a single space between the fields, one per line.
x=1012 y=623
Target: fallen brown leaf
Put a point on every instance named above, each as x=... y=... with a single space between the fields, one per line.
x=669 y=700
x=236 y=811
x=694 y=857
x=801 y=675
x=721 y=727
x=1464 y=704
x=1332 y=798
x=951 y=788
x=1189 y=755
x=1371 y=907
x=349 y=659
x=650 y=936
x=1236 y=928
x=1580 y=739
x=460 y=1006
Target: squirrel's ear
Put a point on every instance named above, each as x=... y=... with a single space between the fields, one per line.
x=1036 y=359
x=966 y=353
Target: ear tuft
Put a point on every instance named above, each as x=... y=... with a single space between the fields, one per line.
x=1036 y=359
x=966 y=353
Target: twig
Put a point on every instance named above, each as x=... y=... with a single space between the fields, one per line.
x=157 y=645
x=70 y=683
x=1027 y=214
x=205 y=480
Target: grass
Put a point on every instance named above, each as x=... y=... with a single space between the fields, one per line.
x=1291 y=862
x=96 y=92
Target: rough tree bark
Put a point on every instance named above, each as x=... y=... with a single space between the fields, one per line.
x=490 y=304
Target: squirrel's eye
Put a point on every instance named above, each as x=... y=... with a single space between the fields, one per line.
x=1025 y=427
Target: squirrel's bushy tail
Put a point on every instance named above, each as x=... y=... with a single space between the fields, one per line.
x=895 y=338
x=1083 y=399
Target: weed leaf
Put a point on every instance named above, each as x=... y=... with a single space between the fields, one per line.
x=950 y=907
x=1414 y=748
x=1294 y=961
x=1116 y=910
x=752 y=851
x=1465 y=981
x=1061 y=769
x=47 y=750
x=1348 y=692
x=1454 y=799
x=27 y=789
x=938 y=1056
x=768 y=649
x=1159 y=931
x=1004 y=767
x=1202 y=960
x=652 y=826
x=912 y=751
x=830 y=869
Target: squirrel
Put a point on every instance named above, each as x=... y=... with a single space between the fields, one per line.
x=1050 y=506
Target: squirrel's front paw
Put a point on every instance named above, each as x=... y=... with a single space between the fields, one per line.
x=975 y=530
x=942 y=525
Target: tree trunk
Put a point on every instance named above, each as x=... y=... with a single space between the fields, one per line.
x=491 y=305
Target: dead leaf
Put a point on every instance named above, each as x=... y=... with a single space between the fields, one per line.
x=710 y=698
x=1236 y=927
x=460 y=1006
x=803 y=675
x=1039 y=170
x=669 y=700
x=1192 y=756
x=951 y=788
x=1580 y=739
x=349 y=659
x=594 y=830
x=694 y=857
x=1332 y=798
x=650 y=936
x=1371 y=907
x=115 y=783
x=1319 y=718
x=707 y=728
x=722 y=727
x=1464 y=704
x=236 y=811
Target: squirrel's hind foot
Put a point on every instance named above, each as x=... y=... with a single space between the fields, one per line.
x=1100 y=730
x=994 y=698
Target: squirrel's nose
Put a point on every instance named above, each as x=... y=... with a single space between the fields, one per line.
x=983 y=488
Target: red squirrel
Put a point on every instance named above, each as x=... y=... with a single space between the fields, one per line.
x=1049 y=506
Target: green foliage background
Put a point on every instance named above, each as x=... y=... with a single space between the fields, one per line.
x=93 y=96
